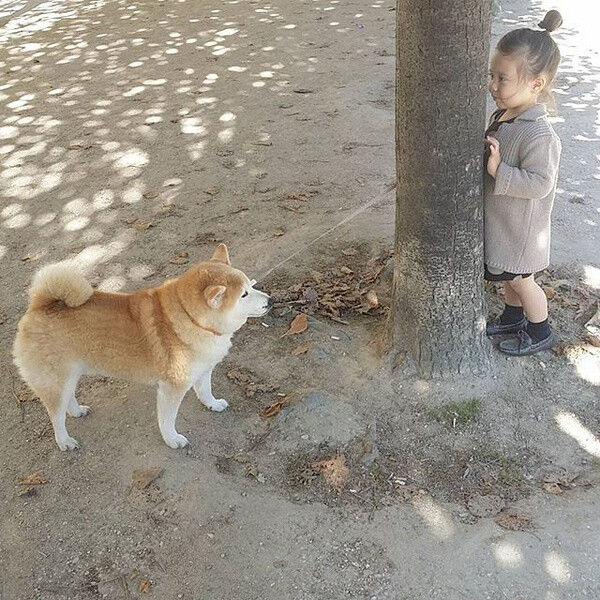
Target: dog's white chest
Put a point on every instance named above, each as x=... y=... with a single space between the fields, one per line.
x=209 y=356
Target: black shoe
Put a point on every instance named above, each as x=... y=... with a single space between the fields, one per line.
x=522 y=345
x=495 y=327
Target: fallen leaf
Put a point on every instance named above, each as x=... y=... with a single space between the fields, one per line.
x=180 y=259
x=592 y=328
x=552 y=488
x=143 y=225
x=303 y=91
x=333 y=470
x=144 y=586
x=142 y=478
x=212 y=191
x=549 y=291
x=279 y=232
x=298 y=325
x=298 y=350
x=372 y=299
x=346 y=270
x=514 y=521
x=248 y=381
x=251 y=470
x=150 y=194
x=273 y=409
x=36 y=478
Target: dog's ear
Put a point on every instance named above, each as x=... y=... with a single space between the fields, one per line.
x=221 y=254
x=214 y=295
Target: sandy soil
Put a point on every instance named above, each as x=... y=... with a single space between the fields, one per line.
x=135 y=132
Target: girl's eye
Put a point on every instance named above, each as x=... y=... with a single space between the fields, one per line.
x=244 y=294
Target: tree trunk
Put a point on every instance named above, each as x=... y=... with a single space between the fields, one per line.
x=438 y=307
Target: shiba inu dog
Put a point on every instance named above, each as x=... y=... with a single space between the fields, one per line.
x=171 y=336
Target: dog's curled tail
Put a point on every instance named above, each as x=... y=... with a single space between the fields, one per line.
x=59 y=281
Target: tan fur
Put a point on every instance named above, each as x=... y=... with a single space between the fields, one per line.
x=158 y=335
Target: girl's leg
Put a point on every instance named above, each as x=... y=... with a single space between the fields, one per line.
x=512 y=318
x=535 y=304
x=531 y=297
x=511 y=298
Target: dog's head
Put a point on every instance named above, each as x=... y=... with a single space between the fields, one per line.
x=219 y=297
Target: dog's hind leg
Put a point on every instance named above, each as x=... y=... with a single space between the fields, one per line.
x=56 y=400
x=203 y=389
x=74 y=409
x=168 y=400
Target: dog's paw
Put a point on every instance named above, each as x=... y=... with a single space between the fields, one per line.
x=68 y=443
x=178 y=441
x=80 y=411
x=218 y=404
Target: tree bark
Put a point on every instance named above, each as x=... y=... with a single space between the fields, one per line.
x=441 y=73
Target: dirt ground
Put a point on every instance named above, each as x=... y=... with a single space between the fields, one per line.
x=135 y=135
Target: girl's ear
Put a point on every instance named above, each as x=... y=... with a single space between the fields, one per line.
x=538 y=84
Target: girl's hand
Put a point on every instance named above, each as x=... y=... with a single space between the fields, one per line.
x=494 y=160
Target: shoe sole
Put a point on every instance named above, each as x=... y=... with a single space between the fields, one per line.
x=547 y=345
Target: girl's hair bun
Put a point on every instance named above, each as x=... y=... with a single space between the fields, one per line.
x=552 y=21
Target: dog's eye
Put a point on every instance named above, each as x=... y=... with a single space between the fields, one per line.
x=244 y=294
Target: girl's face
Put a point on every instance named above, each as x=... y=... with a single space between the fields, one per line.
x=511 y=90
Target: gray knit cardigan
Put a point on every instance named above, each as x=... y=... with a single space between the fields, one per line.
x=518 y=203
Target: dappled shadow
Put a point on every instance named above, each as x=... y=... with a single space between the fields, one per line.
x=123 y=120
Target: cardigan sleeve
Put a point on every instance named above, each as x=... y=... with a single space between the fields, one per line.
x=535 y=177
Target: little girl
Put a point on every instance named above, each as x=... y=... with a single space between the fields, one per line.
x=522 y=166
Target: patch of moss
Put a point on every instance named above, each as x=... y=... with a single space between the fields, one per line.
x=456 y=413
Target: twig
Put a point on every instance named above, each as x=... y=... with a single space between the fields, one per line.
x=260 y=439
x=125 y=588
x=374 y=502
x=58 y=589
x=17 y=399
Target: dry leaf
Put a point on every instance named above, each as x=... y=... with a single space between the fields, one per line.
x=143 y=225
x=150 y=194
x=298 y=350
x=333 y=470
x=36 y=478
x=273 y=409
x=298 y=325
x=247 y=380
x=552 y=488
x=549 y=291
x=144 y=586
x=212 y=191
x=372 y=299
x=346 y=270
x=592 y=328
x=142 y=478
x=180 y=259
x=279 y=232
x=513 y=521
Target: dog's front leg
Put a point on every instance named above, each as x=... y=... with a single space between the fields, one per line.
x=168 y=400
x=203 y=389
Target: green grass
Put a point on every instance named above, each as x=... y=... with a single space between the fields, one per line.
x=456 y=413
